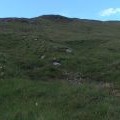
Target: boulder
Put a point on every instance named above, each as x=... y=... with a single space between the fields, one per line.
x=55 y=63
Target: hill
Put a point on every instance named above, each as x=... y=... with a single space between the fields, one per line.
x=30 y=46
x=47 y=50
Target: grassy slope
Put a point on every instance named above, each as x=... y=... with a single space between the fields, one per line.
x=95 y=48
x=30 y=100
x=95 y=56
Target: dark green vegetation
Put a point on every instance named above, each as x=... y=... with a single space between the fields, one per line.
x=38 y=100
x=39 y=56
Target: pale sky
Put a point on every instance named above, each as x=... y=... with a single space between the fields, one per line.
x=85 y=9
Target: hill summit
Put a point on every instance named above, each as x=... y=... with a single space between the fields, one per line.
x=56 y=18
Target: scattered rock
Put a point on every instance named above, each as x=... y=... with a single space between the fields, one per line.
x=35 y=39
x=116 y=93
x=1 y=67
x=42 y=57
x=74 y=78
x=56 y=63
x=62 y=49
x=36 y=104
x=104 y=85
x=68 y=50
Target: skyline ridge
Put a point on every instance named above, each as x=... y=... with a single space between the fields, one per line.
x=52 y=15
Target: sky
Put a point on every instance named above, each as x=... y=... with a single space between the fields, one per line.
x=84 y=9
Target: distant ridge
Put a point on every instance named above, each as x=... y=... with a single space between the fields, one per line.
x=54 y=18
x=13 y=19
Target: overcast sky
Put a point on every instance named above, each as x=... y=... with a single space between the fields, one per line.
x=86 y=9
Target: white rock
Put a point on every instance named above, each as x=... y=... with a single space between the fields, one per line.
x=69 y=50
x=1 y=67
x=56 y=64
x=35 y=39
x=42 y=57
x=36 y=104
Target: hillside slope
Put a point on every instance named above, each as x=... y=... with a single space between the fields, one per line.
x=29 y=48
x=40 y=58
